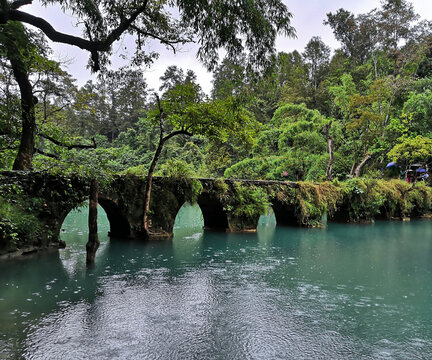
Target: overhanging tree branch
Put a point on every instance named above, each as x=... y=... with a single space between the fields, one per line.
x=18 y=3
x=69 y=147
x=39 y=151
x=52 y=33
x=92 y=46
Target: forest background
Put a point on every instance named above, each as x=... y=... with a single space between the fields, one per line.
x=307 y=115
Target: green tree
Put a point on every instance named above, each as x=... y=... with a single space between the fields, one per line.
x=239 y=28
x=229 y=79
x=293 y=78
x=174 y=76
x=365 y=117
x=89 y=110
x=417 y=113
x=10 y=117
x=22 y=48
x=356 y=34
x=317 y=58
x=125 y=97
x=412 y=150
x=182 y=110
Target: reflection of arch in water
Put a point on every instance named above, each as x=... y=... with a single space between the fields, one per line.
x=75 y=234
x=188 y=234
x=266 y=226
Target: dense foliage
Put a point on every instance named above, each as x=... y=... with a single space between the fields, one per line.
x=310 y=116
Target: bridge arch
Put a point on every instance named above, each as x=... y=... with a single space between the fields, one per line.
x=119 y=224
x=214 y=214
x=285 y=214
x=189 y=216
x=76 y=221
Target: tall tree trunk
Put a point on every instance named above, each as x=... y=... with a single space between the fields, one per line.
x=331 y=159
x=330 y=149
x=162 y=140
x=375 y=62
x=387 y=116
x=93 y=239
x=359 y=167
x=149 y=184
x=353 y=167
x=23 y=160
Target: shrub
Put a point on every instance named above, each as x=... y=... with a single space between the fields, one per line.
x=177 y=169
x=17 y=226
x=245 y=205
x=139 y=170
x=419 y=199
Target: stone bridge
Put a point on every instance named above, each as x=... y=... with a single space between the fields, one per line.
x=228 y=205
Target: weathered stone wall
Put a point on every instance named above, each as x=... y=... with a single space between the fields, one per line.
x=49 y=199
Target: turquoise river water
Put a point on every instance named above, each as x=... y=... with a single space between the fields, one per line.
x=345 y=292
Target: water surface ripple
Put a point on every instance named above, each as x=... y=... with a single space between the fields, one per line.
x=348 y=292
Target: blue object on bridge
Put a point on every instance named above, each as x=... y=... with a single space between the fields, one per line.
x=390 y=164
x=421 y=170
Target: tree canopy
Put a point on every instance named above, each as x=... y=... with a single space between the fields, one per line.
x=237 y=27
x=242 y=29
x=310 y=114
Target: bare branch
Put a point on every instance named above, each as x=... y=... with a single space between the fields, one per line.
x=58 y=109
x=124 y=25
x=9 y=148
x=178 y=132
x=165 y=41
x=39 y=151
x=69 y=147
x=160 y=115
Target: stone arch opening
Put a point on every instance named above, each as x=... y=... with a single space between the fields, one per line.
x=215 y=216
x=285 y=214
x=268 y=219
x=189 y=216
x=75 y=223
x=341 y=215
x=119 y=225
